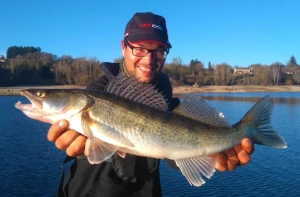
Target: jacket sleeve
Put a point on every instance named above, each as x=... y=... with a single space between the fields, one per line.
x=99 y=84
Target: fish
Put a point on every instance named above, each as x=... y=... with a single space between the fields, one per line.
x=128 y=117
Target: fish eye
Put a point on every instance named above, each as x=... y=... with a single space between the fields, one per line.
x=41 y=93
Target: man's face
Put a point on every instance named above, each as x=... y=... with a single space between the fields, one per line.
x=146 y=69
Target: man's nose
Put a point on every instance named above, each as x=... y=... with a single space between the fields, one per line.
x=149 y=58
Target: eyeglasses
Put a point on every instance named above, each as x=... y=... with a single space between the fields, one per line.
x=142 y=52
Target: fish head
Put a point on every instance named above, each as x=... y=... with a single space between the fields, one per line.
x=50 y=105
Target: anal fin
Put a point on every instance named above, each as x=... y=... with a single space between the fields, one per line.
x=194 y=168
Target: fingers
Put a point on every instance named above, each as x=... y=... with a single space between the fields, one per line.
x=221 y=161
x=66 y=139
x=69 y=140
x=232 y=159
x=244 y=150
x=236 y=156
x=57 y=129
x=227 y=160
x=247 y=145
x=77 y=146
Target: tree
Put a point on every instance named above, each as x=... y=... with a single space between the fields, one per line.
x=292 y=68
x=293 y=60
x=276 y=69
x=15 y=65
x=196 y=67
x=176 y=61
x=222 y=74
x=175 y=70
x=118 y=60
x=13 y=51
x=262 y=74
x=210 y=67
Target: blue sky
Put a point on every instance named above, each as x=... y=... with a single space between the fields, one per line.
x=234 y=31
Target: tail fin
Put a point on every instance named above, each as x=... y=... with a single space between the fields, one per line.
x=256 y=124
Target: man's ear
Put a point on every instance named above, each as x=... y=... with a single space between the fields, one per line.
x=123 y=47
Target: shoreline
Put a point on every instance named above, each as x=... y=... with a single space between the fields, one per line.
x=14 y=91
x=236 y=88
x=176 y=90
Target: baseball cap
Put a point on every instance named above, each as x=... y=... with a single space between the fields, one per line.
x=147 y=27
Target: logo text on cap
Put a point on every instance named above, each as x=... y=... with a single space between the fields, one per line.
x=152 y=25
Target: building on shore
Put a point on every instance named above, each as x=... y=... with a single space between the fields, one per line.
x=2 y=58
x=242 y=71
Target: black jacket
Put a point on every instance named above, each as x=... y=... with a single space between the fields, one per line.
x=129 y=176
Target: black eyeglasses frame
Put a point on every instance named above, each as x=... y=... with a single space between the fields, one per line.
x=153 y=52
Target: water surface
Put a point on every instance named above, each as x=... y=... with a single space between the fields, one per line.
x=31 y=165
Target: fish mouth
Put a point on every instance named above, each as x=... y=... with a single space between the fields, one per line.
x=35 y=106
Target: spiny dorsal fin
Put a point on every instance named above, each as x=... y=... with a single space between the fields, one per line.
x=198 y=109
x=130 y=88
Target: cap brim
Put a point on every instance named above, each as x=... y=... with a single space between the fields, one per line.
x=147 y=38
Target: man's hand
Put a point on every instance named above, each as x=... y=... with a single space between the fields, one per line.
x=69 y=140
x=236 y=156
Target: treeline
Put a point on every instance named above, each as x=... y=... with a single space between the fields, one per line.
x=14 y=51
x=40 y=68
x=223 y=74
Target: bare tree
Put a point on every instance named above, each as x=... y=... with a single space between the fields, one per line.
x=262 y=74
x=276 y=69
x=176 y=61
x=222 y=74
x=296 y=74
x=90 y=63
x=118 y=60
x=15 y=65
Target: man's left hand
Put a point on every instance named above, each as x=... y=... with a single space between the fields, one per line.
x=236 y=156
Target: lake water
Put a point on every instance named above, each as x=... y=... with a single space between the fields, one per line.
x=31 y=166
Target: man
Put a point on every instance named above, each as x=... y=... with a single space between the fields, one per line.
x=144 y=49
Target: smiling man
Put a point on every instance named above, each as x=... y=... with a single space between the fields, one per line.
x=144 y=48
x=145 y=34
x=137 y=62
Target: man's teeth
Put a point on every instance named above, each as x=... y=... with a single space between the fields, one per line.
x=145 y=69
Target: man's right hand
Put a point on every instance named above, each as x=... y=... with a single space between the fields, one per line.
x=65 y=139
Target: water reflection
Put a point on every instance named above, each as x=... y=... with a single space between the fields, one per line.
x=285 y=100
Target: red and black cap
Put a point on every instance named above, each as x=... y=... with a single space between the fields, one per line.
x=147 y=27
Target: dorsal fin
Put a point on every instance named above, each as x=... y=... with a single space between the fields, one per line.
x=198 y=109
x=130 y=88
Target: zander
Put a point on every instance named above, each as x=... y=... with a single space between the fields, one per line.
x=130 y=117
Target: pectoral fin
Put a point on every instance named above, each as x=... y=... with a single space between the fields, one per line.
x=98 y=151
x=194 y=168
x=121 y=154
x=105 y=131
